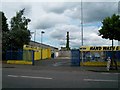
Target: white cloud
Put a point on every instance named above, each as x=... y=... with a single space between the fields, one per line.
x=73 y=12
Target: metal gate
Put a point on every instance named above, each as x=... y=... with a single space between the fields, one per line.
x=75 y=58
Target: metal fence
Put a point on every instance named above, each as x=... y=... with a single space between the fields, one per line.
x=20 y=55
x=100 y=55
x=14 y=55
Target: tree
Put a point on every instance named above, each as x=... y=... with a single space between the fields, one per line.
x=5 y=33
x=111 y=30
x=19 y=32
x=67 y=44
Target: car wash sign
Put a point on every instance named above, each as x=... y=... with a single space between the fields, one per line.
x=100 y=48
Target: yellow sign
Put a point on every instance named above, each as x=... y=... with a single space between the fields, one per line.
x=28 y=47
x=100 y=48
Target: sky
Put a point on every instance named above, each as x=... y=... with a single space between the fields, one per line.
x=56 y=17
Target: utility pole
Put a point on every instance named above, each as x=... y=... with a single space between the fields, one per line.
x=81 y=23
x=119 y=15
x=81 y=30
x=119 y=8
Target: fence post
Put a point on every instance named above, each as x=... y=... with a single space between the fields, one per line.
x=33 y=63
x=11 y=57
x=6 y=55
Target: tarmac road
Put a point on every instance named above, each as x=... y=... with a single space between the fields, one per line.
x=56 y=74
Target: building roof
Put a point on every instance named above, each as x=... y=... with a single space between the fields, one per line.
x=33 y=43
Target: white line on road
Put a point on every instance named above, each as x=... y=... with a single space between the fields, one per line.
x=105 y=73
x=36 y=77
x=30 y=77
x=111 y=73
x=12 y=76
x=100 y=80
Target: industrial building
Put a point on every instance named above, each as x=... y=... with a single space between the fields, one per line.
x=41 y=51
x=44 y=46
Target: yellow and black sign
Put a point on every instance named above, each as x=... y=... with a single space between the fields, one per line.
x=28 y=47
x=100 y=48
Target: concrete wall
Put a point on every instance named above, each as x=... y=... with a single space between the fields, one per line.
x=64 y=53
x=56 y=54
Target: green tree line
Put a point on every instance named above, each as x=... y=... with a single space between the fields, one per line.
x=18 y=34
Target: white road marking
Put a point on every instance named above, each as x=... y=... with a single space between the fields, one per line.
x=100 y=80
x=105 y=73
x=12 y=76
x=110 y=73
x=36 y=77
x=30 y=77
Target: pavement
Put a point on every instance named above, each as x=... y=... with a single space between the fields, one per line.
x=57 y=64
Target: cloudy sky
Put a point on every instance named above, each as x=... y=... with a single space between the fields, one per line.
x=56 y=18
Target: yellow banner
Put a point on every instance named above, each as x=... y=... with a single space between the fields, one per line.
x=100 y=48
x=28 y=47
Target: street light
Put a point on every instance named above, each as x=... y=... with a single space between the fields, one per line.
x=42 y=32
x=34 y=35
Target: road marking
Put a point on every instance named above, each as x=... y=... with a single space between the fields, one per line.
x=110 y=73
x=105 y=73
x=100 y=80
x=30 y=77
x=36 y=77
x=12 y=76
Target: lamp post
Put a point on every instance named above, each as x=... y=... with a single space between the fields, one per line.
x=42 y=32
x=34 y=37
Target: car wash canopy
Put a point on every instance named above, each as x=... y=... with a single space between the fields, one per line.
x=100 y=48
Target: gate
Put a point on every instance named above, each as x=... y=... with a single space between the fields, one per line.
x=75 y=58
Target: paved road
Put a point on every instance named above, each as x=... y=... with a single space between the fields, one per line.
x=53 y=75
